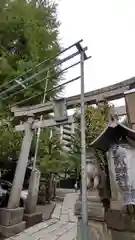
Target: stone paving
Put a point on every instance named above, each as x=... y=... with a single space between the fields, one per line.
x=61 y=226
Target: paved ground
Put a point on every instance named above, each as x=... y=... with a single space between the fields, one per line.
x=46 y=210
x=62 y=225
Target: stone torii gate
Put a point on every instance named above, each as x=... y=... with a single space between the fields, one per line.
x=61 y=118
x=11 y=218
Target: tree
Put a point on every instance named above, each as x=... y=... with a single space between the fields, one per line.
x=52 y=158
x=10 y=142
x=74 y=163
x=29 y=35
x=96 y=119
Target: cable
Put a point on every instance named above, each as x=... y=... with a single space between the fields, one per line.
x=57 y=74
x=49 y=90
x=28 y=79
x=46 y=60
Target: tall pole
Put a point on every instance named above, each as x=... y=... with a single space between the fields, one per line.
x=39 y=129
x=84 y=225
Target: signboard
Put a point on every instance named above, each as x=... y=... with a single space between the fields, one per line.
x=124 y=172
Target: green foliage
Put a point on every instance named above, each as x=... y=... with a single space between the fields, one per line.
x=29 y=35
x=74 y=163
x=52 y=158
x=10 y=141
x=96 y=119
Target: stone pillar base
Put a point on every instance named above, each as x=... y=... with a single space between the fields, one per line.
x=33 y=218
x=11 y=221
x=95 y=209
x=9 y=231
x=122 y=226
x=97 y=230
x=96 y=218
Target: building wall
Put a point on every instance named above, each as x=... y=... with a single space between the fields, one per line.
x=66 y=132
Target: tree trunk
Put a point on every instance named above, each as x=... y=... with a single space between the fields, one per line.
x=50 y=185
x=49 y=188
x=76 y=175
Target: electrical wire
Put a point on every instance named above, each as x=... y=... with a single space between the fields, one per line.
x=35 y=75
x=41 y=80
x=46 y=60
x=49 y=90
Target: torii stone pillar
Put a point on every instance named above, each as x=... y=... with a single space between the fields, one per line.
x=14 y=198
x=31 y=216
x=11 y=218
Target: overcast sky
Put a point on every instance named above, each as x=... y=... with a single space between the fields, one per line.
x=108 y=29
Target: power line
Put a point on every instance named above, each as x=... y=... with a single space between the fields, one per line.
x=35 y=83
x=56 y=87
x=46 y=60
x=49 y=90
x=35 y=75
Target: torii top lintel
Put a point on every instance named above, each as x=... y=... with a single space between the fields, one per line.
x=109 y=93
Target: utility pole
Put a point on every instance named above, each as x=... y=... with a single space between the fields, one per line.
x=84 y=231
x=83 y=158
